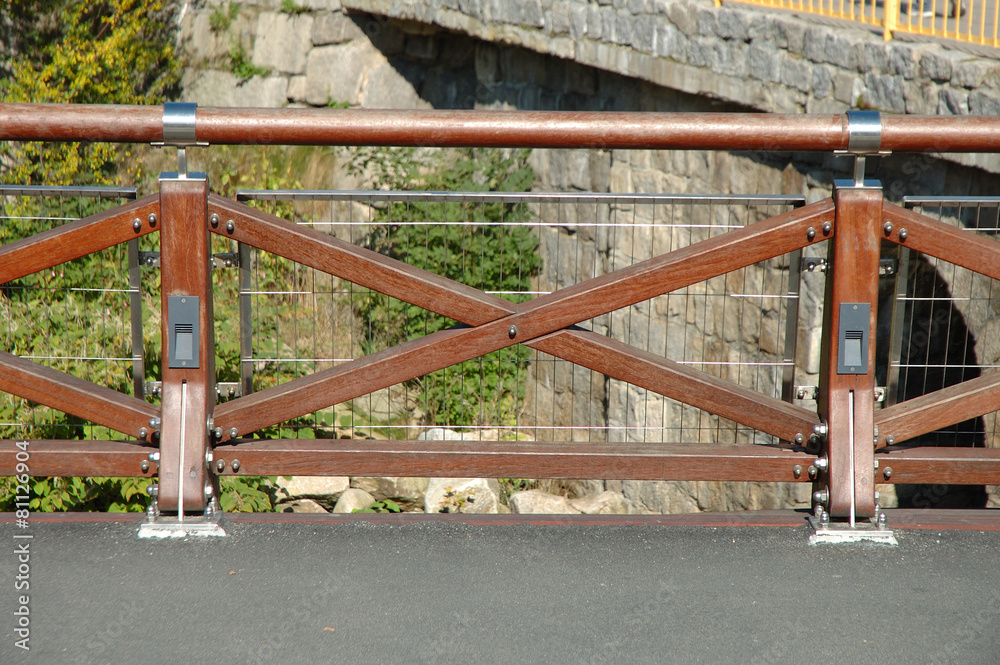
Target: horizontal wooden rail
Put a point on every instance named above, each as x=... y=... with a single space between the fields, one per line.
x=533 y=129
x=955 y=466
x=119 y=459
x=515 y=459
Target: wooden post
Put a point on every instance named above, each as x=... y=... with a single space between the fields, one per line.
x=846 y=400
x=188 y=386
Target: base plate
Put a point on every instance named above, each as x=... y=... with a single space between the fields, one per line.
x=861 y=532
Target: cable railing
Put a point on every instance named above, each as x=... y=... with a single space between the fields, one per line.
x=617 y=336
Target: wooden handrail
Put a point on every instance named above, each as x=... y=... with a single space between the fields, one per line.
x=531 y=129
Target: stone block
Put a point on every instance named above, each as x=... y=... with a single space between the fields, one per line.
x=283 y=42
x=671 y=42
x=535 y=502
x=334 y=28
x=353 y=499
x=475 y=496
x=683 y=16
x=822 y=82
x=975 y=73
x=409 y=492
x=605 y=503
x=797 y=73
x=731 y=24
x=595 y=22
x=335 y=73
x=847 y=88
x=982 y=102
x=764 y=63
x=644 y=35
x=218 y=88
x=904 y=59
x=874 y=57
x=952 y=102
x=301 y=506
x=936 y=64
x=577 y=20
x=387 y=88
x=328 y=488
x=921 y=99
x=297 y=89
x=558 y=22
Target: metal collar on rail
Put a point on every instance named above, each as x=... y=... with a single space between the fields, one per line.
x=864 y=137
x=179 y=131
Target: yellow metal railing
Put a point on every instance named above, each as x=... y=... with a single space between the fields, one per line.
x=970 y=21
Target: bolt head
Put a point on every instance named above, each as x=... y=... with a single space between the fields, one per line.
x=144 y=465
x=137 y=225
x=151 y=219
x=215 y=219
x=234 y=433
x=230 y=226
x=236 y=465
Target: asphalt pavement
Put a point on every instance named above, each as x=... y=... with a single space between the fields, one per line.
x=358 y=589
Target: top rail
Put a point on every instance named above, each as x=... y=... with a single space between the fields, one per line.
x=530 y=129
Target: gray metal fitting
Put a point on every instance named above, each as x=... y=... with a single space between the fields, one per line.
x=821 y=429
x=154 y=456
x=822 y=463
x=153 y=490
x=822 y=497
x=236 y=465
x=234 y=433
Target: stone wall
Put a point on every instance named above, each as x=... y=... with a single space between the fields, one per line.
x=424 y=57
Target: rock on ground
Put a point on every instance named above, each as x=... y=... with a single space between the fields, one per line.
x=354 y=499
x=462 y=495
x=537 y=502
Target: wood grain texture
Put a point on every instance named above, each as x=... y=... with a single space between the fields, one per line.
x=69 y=394
x=118 y=459
x=541 y=316
x=854 y=279
x=935 y=238
x=76 y=239
x=493 y=459
x=924 y=464
x=188 y=394
x=534 y=129
x=939 y=409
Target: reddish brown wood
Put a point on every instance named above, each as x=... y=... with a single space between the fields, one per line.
x=941 y=408
x=648 y=279
x=663 y=376
x=119 y=459
x=549 y=129
x=854 y=279
x=75 y=396
x=922 y=464
x=185 y=270
x=75 y=239
x=944 y=241
x=502 y=459
x=356 y=264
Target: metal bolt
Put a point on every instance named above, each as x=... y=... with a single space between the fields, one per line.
x=887 y=472
x=208 y=491
x=887 y=228
x=217 y=432
x=827 y=227
x=821 y=429
x=234 y=433
x=512 y=332
x=799 y=438
x=151 y=219
x=902 y=235
x=822 y=463
x=230 y=226
x=810 y=233
x=215 y=220
x=824 y=519
x=236 y=465
x=797 y=470
x=876 y=464
x=154 y=423
x=154 y=456
x=144 y=465
x=220 y=465
x=812 y=471
x=153 y=490
x=143 y=433
x=137 y=225
x=209 y=455
x=876 y=497
x=881 y=520
x=822 y=497
x=889 y=440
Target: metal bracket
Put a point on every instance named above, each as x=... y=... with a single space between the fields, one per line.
x=222 y=389
x=864 y=138
x=825 y=532
x=221 y=260
x=815 y=264
x=179 y=131
x=812 y=392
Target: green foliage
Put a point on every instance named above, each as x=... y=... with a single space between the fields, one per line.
x=85 y=52
x=242 y=68
x=113 y=495
x=467 y=243
x=292 y=7
x=246 y=494
x=222 y=17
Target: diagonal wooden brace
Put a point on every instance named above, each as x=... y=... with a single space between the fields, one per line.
x=188 y=388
